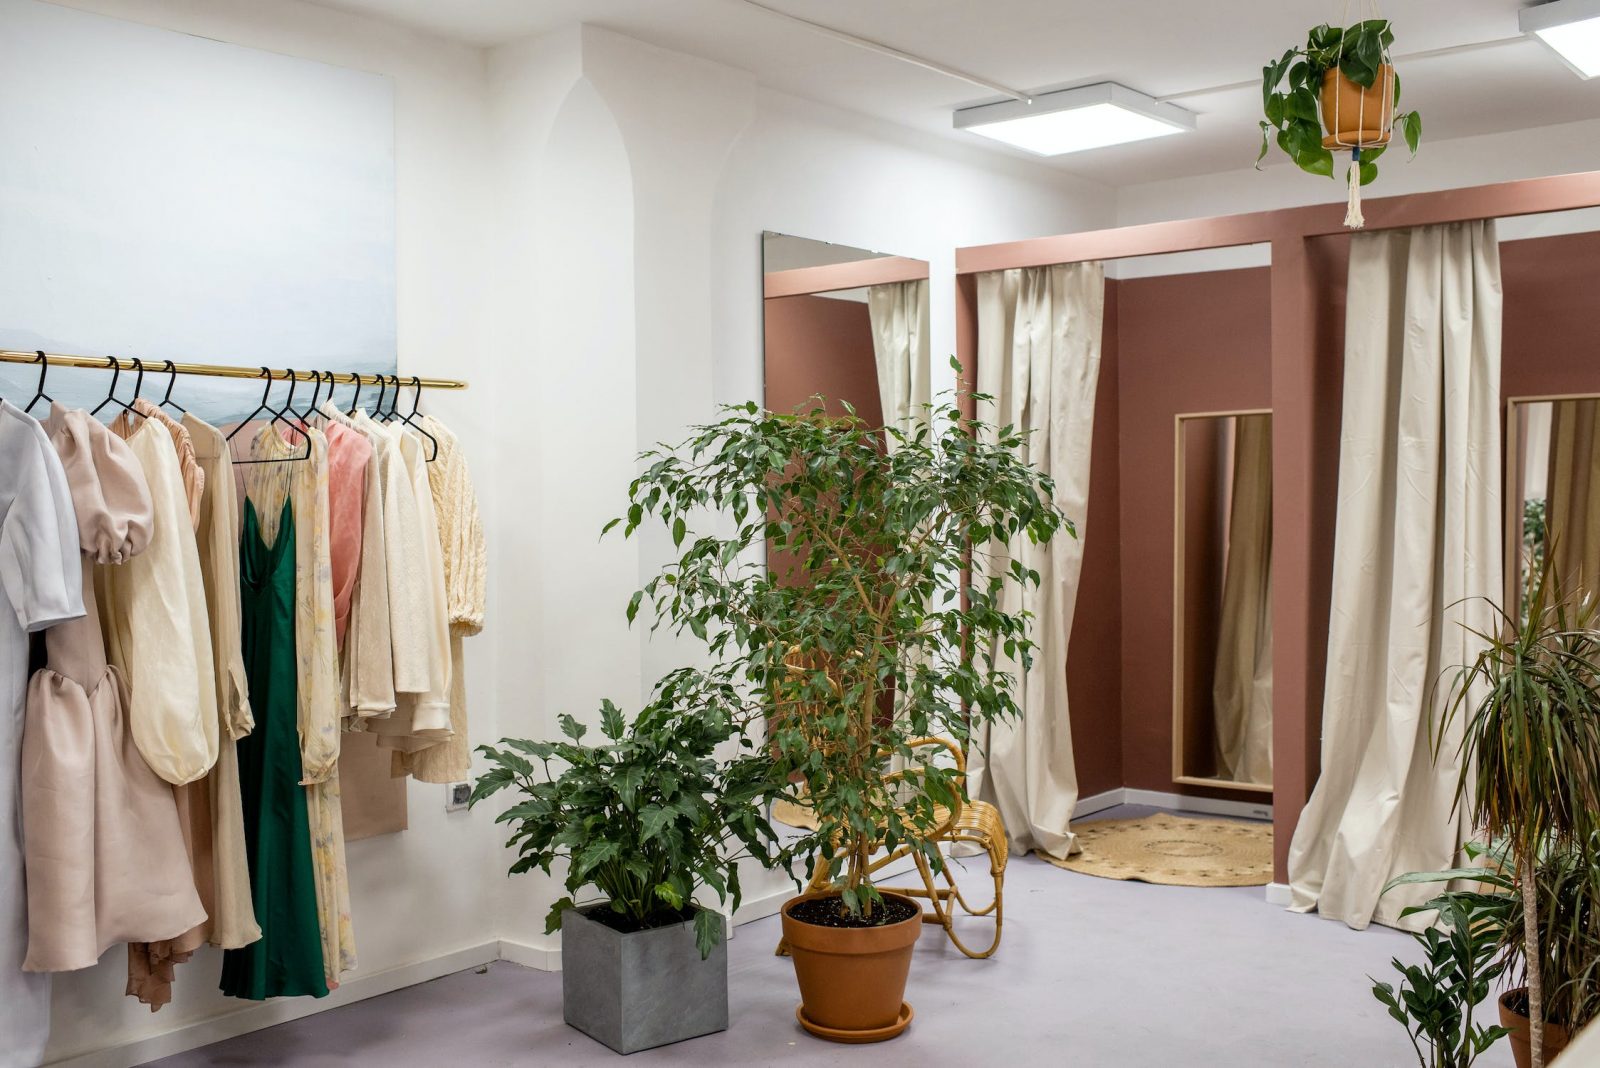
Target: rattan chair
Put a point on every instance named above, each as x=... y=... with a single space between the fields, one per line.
x=974 y=823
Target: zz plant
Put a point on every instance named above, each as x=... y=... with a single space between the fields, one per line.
x=876 y=607
x=649 y=816
x=1291 y=86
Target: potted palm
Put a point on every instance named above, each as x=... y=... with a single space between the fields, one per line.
x=651 y=818
x=880 y=609
x=1531 y=776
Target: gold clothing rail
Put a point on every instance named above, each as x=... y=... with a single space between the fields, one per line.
x=213 y=370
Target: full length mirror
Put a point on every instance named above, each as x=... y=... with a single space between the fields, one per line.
x=1553 y=493
x=1222 y=605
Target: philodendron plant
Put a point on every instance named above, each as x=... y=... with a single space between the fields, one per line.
x=1291 y=87
x=651 y=816
x=873 y=606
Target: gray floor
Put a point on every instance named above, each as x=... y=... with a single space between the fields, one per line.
x=1091 y=972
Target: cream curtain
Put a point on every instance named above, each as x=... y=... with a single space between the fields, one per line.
x=899 y=314
x=1572 y=500
x=1039 y=357
x=1241 y=687
x=1416 y=548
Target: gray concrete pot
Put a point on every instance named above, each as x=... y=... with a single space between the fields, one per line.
x=639 y=990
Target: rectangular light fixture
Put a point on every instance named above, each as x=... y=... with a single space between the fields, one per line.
x=1072 y=120
x=1571 y=28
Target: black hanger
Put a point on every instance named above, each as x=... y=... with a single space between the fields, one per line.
x=40 y=394
x=410 y=419
x=277 y=417
x=355 y=398
x=316 y=394
x=111 y=395
x=383 y=390
x=166 y=400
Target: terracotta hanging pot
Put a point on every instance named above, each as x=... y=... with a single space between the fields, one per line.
x=1521 y=1037
x=852 y=979
x=1355 y=116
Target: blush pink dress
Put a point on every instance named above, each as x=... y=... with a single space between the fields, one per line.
x=105 y=855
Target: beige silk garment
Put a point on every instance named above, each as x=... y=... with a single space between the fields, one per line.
x=305 y=482
x=423 y=720
x=153 y=610
x=455 y=502
x=106 y=861
x=212 y=808
x=194 y=476
x=367 y=661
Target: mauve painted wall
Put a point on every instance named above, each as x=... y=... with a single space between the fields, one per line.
x=820 y=345
x=1094 y=652
x=1552 y=332
x=1185 y=343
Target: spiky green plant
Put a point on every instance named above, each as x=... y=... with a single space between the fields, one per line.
x=1530 y=752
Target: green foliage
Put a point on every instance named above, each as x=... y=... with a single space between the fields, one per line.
x=876 y=604
x=1291 y=88
x=648 y=816
x=1434 y=1000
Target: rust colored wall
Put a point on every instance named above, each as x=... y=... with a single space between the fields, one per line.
x=1185 y=343
x=820 y=345
x=1552 y=334
x=1094 y=652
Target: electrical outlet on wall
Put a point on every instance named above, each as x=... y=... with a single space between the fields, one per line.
x=457 y=796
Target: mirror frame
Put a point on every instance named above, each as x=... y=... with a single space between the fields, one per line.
x=1178 y=734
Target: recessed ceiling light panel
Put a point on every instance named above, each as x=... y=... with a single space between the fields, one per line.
x=1072 y=120
x=1571 y=28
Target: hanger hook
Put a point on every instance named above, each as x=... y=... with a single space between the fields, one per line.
x=394 y=405
x=383 y=389
x=355 y=398
x=267 y=392
x=44 y=366
x=172 y=380
x=116 y=373
x=416 y=398
x=138 y=383
x=294 y=380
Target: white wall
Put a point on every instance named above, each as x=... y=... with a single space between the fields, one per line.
x=426 y=893
x=579 y=221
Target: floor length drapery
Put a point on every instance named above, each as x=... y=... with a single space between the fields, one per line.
x=1417 y=559
x=1242 y=682
x=1039 y=332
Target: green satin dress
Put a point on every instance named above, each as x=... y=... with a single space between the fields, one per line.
x=287 y=961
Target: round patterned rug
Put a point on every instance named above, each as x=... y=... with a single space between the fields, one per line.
x=1174 y=851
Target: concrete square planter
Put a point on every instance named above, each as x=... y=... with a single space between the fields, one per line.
x=640 y=990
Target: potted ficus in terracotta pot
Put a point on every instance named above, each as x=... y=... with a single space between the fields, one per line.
x=651 y=818
x=874 y=611
x=1336 y=93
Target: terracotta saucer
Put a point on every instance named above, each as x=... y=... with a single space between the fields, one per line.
x=877 y=1034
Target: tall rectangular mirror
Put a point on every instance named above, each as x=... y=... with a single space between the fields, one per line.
x=1222 y=600
x=1553 y=493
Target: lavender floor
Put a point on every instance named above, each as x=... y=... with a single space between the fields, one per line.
x=1091 y=972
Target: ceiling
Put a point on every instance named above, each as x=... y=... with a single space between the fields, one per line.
x=1160 y=47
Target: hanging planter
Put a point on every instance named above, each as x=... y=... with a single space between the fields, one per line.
x=1339 y=93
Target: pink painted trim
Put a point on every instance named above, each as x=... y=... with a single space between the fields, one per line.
x=1567 y=192
x=836 y=276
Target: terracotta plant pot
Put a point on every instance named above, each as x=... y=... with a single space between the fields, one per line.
x=1521 y=1036
x=852 y=980
x=1356 y=116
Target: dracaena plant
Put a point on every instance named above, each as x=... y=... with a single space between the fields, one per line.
x=1290 y=87
x=868 y=600
x=1529 y=705
x=651 y=816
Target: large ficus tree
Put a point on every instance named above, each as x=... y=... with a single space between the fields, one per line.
x=873 y=628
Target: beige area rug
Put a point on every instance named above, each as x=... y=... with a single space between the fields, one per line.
x=1174 y=851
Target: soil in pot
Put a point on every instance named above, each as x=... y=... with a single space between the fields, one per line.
x=1355 y=116
x=1514 y=1015
x=605 y=914
x=852 y=977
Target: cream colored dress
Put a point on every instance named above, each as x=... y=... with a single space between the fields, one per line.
x=461 y=538
x=106 y=857
x=157 y=632
x=319 y=702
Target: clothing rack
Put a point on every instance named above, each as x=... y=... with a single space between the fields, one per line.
x=213 y=370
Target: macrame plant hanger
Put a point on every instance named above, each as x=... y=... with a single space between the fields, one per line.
x=1360 y=137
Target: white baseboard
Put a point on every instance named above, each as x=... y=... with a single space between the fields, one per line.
x=270 y=1013
x=1278 y=894
x=541 y=958
x=1088 y=806
x=1213 y=806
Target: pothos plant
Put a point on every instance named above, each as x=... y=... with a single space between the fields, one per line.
x=650 y=816
x=1291 y=86
x=876 y=605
